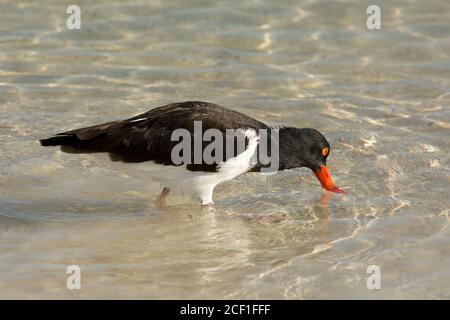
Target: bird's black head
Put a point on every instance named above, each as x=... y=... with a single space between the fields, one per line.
x=306 y=148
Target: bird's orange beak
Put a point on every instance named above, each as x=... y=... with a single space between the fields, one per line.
x=325 y=179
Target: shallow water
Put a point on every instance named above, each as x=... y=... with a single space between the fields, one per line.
x=381 y=97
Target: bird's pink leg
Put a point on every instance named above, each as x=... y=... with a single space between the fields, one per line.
x=161 y=199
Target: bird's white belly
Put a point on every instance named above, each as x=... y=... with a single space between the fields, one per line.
x=195 y=184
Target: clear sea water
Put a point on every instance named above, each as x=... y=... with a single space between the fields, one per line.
x=381 y=97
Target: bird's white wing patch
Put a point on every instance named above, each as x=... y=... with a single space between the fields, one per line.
x=137 y=120
x=245 y=160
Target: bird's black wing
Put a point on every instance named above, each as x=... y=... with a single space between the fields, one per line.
x=147 y=137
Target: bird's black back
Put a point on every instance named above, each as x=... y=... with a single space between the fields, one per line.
x=147 y=137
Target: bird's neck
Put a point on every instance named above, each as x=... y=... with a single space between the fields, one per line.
x=285 y=140
x=288 y=154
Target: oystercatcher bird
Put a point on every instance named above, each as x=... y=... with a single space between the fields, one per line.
x=147 y=140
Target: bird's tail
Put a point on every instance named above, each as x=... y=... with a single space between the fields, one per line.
x=59 y=140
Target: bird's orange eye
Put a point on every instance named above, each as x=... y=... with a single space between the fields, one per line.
x=325 y=151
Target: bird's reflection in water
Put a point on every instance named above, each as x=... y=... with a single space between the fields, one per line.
x=321 y=207
x=208 y=209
